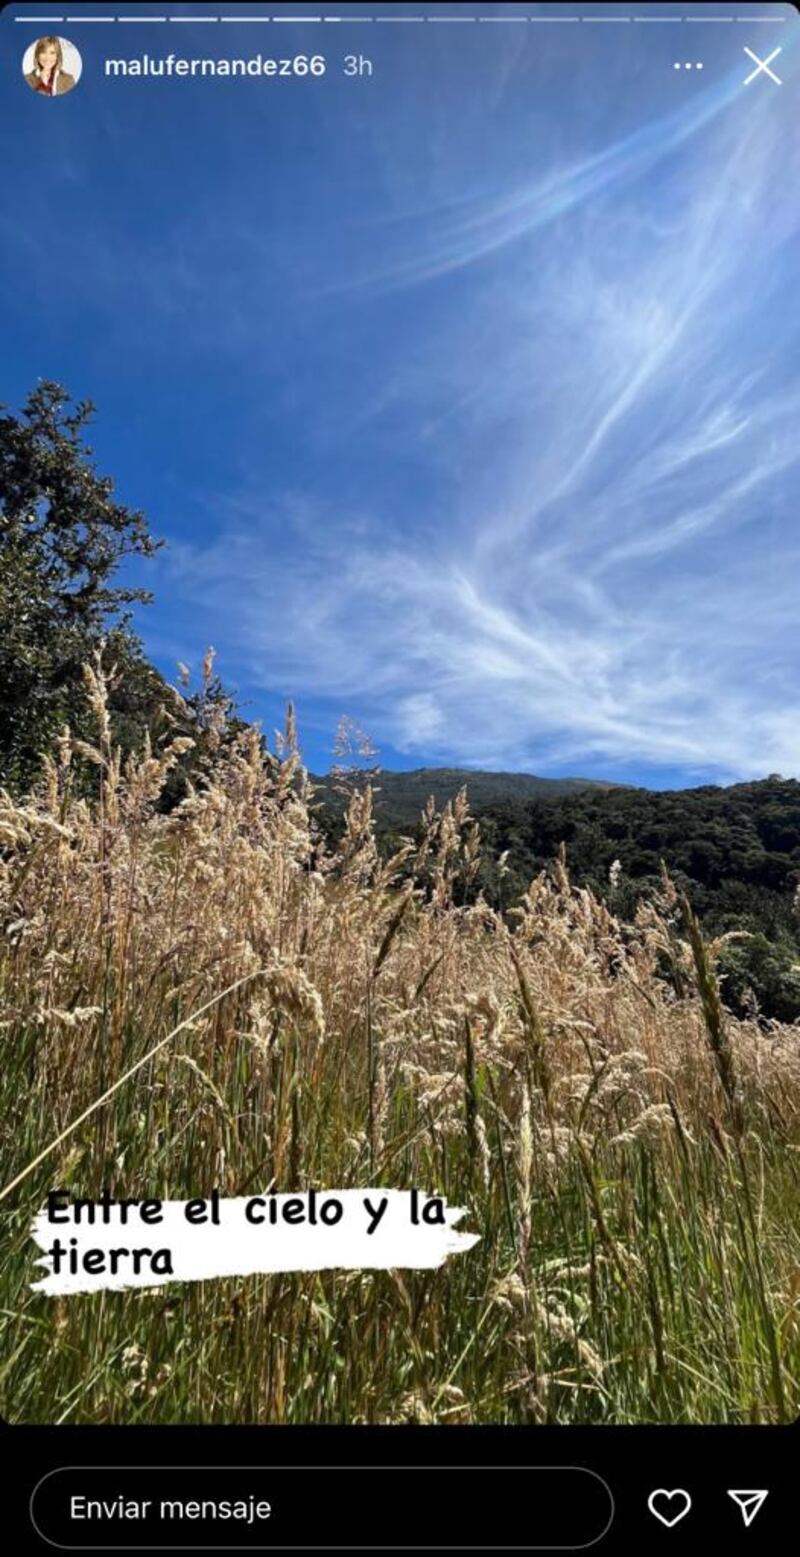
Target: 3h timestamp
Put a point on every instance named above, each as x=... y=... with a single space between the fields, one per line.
x=357 y=65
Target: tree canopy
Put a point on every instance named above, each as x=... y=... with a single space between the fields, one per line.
x=63 y=537
x=734 y=850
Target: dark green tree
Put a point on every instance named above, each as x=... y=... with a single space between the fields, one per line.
x=62 y=539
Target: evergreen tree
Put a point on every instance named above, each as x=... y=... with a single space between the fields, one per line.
x=62 y=539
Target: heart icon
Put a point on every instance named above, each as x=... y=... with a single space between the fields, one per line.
x=669 y=1507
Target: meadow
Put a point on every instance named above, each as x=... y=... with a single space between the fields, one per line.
x=297 y=1013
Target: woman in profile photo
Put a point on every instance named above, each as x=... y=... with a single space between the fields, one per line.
x=48 y=74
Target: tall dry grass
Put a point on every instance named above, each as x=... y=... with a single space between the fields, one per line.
x=627 y=1150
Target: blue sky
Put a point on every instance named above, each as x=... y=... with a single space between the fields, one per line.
x=466 y=395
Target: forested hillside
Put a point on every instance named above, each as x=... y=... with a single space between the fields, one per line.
x=401 y=796
x=734 y=850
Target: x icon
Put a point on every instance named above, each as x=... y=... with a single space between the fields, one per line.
x=762 y=67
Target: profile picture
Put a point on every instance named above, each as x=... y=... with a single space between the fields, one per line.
x=52 y=66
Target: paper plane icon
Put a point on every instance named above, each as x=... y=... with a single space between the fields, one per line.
x=749 y=1503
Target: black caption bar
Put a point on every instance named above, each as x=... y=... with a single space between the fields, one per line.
x=258 y=1508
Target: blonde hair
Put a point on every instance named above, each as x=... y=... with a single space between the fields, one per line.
x=48 y=43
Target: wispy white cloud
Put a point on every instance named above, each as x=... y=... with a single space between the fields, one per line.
x=602 y=422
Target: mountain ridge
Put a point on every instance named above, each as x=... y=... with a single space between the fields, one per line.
x=401 y=794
